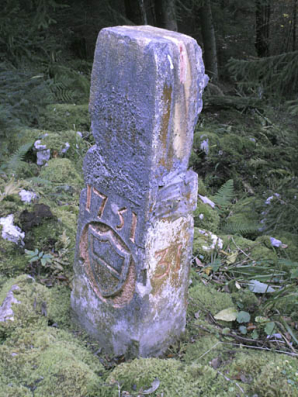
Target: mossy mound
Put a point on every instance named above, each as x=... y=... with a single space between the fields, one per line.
x=202 y=190
x=255 y=250
x=36 y=305
x=12 y=258
x=66 y=143
x=30 y=306
x=60 y=171
x=291 y=241
x=206 y=298
x=61 y=117
x=205 y=217
x=203 y=350
x=245 y=300
x=175 y=379
x=265 y=374
x=48 y=362
x=36 y=357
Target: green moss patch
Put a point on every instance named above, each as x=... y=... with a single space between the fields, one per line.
x=205 y=217
x=206 y=298
x=60 y=171
x=174 y=379
x=265 y=374
x=49 y=362
x=59 y=117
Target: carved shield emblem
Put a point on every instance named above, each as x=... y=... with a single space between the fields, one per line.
x=109 y=260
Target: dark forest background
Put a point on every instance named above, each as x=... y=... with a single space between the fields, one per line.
x=249 y=47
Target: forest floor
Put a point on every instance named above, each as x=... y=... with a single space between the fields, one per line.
x=241 y=337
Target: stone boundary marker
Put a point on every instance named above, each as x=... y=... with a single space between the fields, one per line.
x=135 y=227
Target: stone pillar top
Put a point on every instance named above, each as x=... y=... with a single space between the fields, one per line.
x=146 y=79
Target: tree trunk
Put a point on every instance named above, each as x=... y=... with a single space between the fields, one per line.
x=262 y=28
x=294 y=25
x=209 y=41
x=165 y=11
x=135 y=11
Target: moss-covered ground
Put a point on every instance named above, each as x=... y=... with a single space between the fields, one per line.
x=241 y=335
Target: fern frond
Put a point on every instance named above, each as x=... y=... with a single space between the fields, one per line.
x=275 y=74
x=13 y=187
x=241 y=225
x=40 y=181
x=225 y=194
x=15 y=161
x=293 y=107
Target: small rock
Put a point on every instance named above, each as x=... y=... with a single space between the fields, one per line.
x=11 y=232
x=39 y=146
x=207 y=201
x=43 y=154
x=205 y=145
x=27 y=196
x=275 y=243
x=66 y=147
x=216 y=362
x=6 y=312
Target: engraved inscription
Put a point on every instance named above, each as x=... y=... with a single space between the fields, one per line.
x=178 y=257
x=120 y=213
x=108 y=259
x=134 y=219
x=108 y=263
x=103 y=204
x=133 y=227
x=163 y=264
x=166 y=257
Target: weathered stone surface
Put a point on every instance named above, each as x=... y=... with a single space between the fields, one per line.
x=135 y=229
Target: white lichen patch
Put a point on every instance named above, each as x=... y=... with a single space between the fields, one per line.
x=11 y=232
x=216 y=242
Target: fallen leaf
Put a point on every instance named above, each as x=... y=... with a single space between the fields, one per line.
x=198 y=262
x=229 y=314
x=259 y=288
x=232 y=258
x=207 y=270
x=154 y=386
